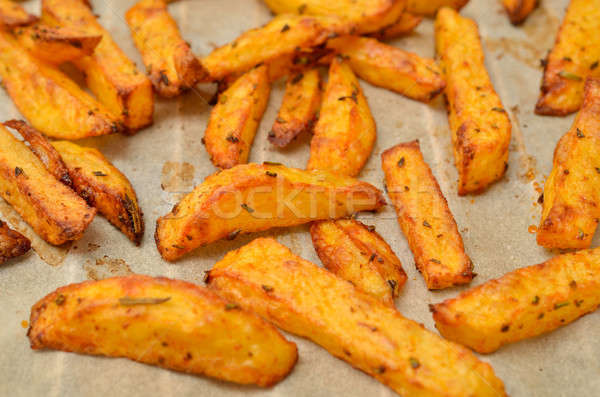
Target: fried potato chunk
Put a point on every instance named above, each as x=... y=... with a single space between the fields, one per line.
x=519 y=10
x=306 y=300
x=235 y=118
x=430 y=7
x=575 y=56
x=252 y=197
x=12 y=14
x=571 y=208
x=405 y=25
x=110 y=75
x=168 y=323
x=53 y=210
x=522 y=304
x=104 y=187
x=12 y=243
x=345 y=133
x=299 y=108
x=51 y=101
x=480 y=126
x=390 y=67
x=169 y=60
x=356 y=253
x=425 y=218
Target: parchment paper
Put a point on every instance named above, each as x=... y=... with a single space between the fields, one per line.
x=494 y=225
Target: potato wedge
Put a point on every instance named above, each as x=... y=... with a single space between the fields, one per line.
x=48 y=99
x=235 y=118
x=53 y=210
x=306 y=300
x=169 y=323
x=522 y=304
x=430 y=7
x=425 y=218
x=405 y=25
x=571 y=208
x=104 y=187
x=480 y=126
x=169 y=60
x=575 y=56
x=110 y=75
x=356 y=253
x=390 y=67
x=12 y=243
x=282 y=36
x=345 y=132
x=519 y=10
x=252 y=197
x=12 y=14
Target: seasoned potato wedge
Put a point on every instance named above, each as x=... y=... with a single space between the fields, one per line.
x=12 y=14
x=390 y=67
x=252 y=197
x=235 y=118
x=299 y=108
x=430 y=7
x=480 y=126
x=519 y=10
x=522 y=304
x=425 y=218
x=104 y=187
x=571 y=208
x=405 y=25
x=53 y=210
x=345 y=132
x=575 y=55
x=282 y=36
x=51 y=101
x=358 y=254
x=110 y=75
x=169 y=60
x=169 y=323
x=12 y=243
x=304 y=299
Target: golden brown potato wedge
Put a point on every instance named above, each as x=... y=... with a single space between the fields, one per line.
x=299 y=108
x=251 y=197
x=405 y=25
x=12 y=14
x=571 y=208
x=12 y=243
x=425 y=218
x=356 y=253
x=480 y=126
x=53 y=210
x=519 y=10
x=235 y=118
x=575 y=56
x=104 y=187
x=110 y=75
x=390 y=67
x=346 y=131
x=430 y=7
x=169 y=60
x=522 y=304
x=306 y=300
x=48 y=99
x=169 y=323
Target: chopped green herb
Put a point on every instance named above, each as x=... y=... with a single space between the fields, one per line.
x=401 y=162
x=99 y=173
x=60 y=300
x=267 y=288
x=247 y=208
x=414 y=363
x=559 y=305
x=426 y=224
x=232 y=306
x=18 y=171
x=435 y=261
x=580 y=134
x=129 y=301
x=271 y=174
x=535 y=300
x=232 y=139
x=569 y=75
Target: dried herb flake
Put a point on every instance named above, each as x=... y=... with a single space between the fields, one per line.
x=569 y=75
x=414 y=363
x=129 y=301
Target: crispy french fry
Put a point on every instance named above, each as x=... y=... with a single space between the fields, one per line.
x=12 y=243
x=110 y=75
x=104 y=187
x=169 y=60
x=425 y=218
x=522 y=304
x=430 y=7
x=169 y=323
x=571 y=208
x=252 y=197
x=12 y=14
x=480 y=126
x=390 y=67
x=299 y=108
x=306 y=300
x=405 y=25
x=575 y=56
x=358 y=254
x=345 y=132
x=48 y=99
x=53 y=210
x=519 y=10
x=235 y=118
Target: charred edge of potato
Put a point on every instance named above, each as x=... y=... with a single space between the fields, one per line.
x=13 y=15
x=404 y=26
x=519 y=10
x=12 y=243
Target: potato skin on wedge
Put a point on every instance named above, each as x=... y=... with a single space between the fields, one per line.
x=430 y=7
x=480 y=125
x=168 y=323
x=12 y=15
x=425 y=218
x=519 y=10
x=571 y=208
x=306 y=300
x=252 y=197
x=405 y=25
x=12 y=243
x=522 y=304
